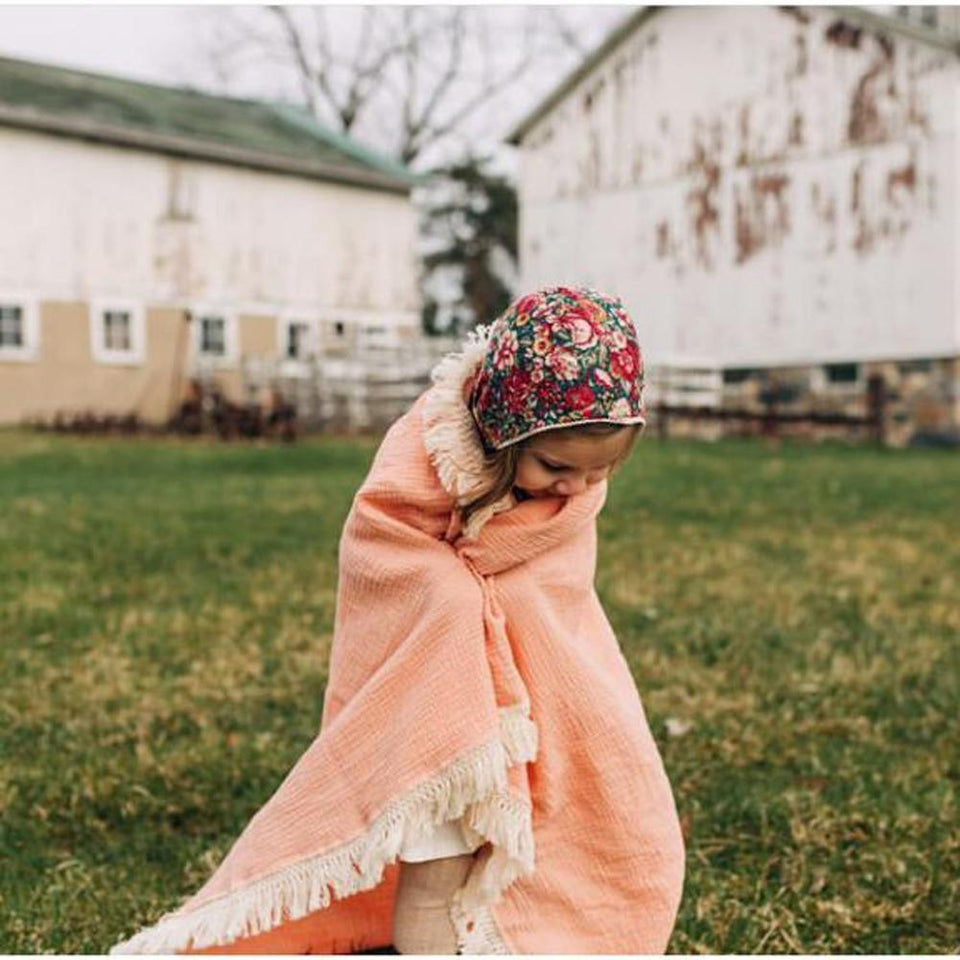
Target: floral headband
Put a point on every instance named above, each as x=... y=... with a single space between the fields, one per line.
x=557 y=357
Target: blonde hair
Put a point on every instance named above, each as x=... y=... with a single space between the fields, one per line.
x=503 y=463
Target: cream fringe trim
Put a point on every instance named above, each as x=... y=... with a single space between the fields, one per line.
x=474 y=787
x=450 y=435
x=449 y=431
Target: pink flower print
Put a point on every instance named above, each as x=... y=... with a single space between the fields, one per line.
x=483 y=394
x=620 y=409
x=579 y=397
x=548 y=394
x=625 y=363
x=506 y=350
x=596 y=313
x=516 y=390
x=580 y=331
x=616 y=339
x=602 y=377
x=564 y=364
x=526 y=305
x=541 y=344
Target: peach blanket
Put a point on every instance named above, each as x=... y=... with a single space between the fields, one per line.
x=469 y=676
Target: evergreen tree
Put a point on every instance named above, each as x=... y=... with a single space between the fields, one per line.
x=469 y=228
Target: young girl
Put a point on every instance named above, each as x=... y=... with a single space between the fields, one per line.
x=484 y=779
x=521 y=384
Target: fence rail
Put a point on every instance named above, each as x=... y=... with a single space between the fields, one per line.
x=771 y=420
x=367 y=390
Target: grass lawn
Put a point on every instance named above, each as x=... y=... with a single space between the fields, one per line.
x=790 y=615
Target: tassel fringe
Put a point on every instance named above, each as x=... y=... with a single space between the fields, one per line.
x=473 y=787
x=450 y=435
x=449 y=432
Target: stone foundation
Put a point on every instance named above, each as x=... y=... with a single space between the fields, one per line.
x=921 y=405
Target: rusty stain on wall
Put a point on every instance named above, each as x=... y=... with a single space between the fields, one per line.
x=904 y=177
x=702 y=199
x=802 y=61
x=843 y=34
x=743 y=124
x=856 y=196
x=592 y=95
x=743 y=232
x=798 y=14
x=856 y=184
x=823 y=202
x=762 y=218
x=795 y=136
x=867 y=122
x=663 y=239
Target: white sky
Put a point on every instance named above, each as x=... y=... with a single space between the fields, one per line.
x=169 y=44
x=151 y=43
x=158 y=43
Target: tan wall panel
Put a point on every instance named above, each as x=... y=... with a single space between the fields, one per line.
x=168 y=347
x=258 y=335
x=64 y=377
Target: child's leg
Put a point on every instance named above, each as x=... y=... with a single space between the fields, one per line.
x=421 y=923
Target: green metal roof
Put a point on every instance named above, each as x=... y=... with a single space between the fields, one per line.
x=184 y=122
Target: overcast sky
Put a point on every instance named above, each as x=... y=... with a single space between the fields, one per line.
x=169 y=44
x=147 y=42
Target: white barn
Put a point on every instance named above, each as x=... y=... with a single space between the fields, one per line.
x=773 y=192
x=151 y=233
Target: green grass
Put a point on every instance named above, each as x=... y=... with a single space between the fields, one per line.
x=166 y=614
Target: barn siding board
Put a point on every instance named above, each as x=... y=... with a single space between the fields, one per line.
x=762 y=188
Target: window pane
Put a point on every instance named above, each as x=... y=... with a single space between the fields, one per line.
x=116 y=330
x=11 y=326
x=842 y=372
x=297 y=339
x=212 y=336
x=737 y=374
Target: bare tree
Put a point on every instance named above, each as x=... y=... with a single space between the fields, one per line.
x=407 y=78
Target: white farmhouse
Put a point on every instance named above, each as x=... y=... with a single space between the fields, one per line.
x=773 y=191
x=151 y=232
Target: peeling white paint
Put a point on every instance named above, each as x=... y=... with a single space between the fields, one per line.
x=761 y=187
x=87 y=220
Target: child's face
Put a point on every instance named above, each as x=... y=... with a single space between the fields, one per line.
x=561 y=463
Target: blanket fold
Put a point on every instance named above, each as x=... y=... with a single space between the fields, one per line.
x=470 y=676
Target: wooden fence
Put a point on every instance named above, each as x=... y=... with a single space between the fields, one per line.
x=772 y=419
x=367 y=390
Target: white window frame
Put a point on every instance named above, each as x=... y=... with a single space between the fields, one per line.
x=297 y=366
x=214 y=361
x=822 y=384
x=133 y=357
x=29 y=350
